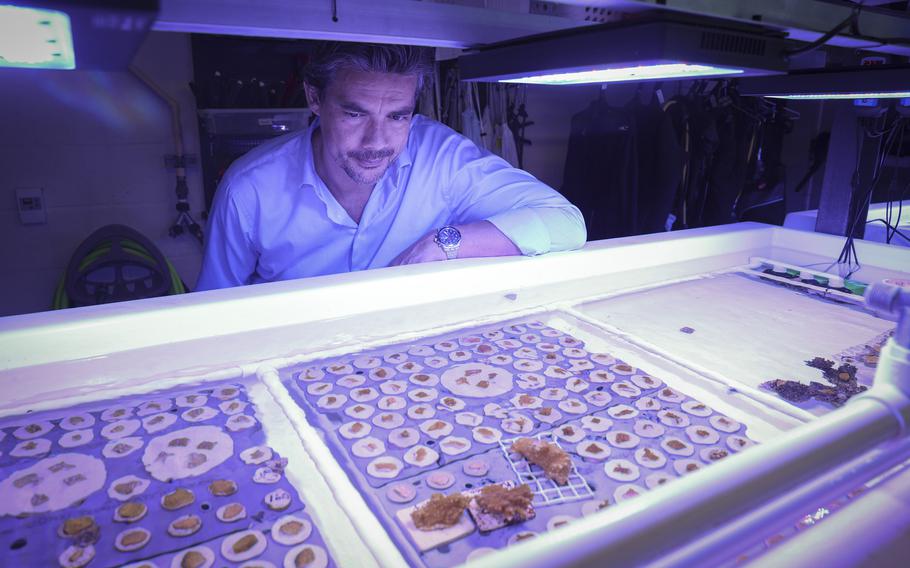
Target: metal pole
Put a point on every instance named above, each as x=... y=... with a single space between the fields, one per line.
x=849 y=174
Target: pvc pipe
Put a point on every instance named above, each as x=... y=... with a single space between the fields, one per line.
x=656 y=524
x=902 y=331
x=881 y=516
x=171 y=102
x=749 y=529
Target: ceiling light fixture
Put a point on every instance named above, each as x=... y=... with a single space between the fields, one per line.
x=73 y=34
x=640 y=51
x=35 y=38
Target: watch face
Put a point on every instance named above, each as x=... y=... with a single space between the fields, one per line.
x=448 y=236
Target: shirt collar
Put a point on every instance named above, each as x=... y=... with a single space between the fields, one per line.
x=308 y=175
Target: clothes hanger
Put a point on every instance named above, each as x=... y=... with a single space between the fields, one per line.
x=658 y=93
x=781 y=107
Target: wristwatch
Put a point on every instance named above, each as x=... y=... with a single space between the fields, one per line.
x=449 y=239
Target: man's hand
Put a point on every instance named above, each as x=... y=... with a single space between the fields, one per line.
x=424 y=250
x=481 y=238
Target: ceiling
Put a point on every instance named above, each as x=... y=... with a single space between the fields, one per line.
x=880 y=25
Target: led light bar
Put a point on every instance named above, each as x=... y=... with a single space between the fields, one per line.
x=857 y=83
x=622 y=74
x=35 y=38
x=640 y=51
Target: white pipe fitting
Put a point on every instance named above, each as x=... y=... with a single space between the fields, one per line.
x=892 y=383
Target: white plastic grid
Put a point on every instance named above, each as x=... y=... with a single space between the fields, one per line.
x=546 y=491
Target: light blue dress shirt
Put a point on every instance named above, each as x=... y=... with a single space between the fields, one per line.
x=273 y=218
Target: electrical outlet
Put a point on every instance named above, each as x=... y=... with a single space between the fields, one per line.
x=31 y=205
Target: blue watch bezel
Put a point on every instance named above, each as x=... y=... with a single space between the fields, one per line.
x=448 y=236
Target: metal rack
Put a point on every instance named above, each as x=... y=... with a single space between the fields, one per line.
x=227 y=134
x=546 y=491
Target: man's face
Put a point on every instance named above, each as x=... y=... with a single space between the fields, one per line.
x=364 y=119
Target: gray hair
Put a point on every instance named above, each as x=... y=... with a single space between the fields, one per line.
x=332 y=56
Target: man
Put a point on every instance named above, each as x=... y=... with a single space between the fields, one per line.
x=371 y=184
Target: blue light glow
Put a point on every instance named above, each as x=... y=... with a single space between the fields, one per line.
x=835 y=96
x=620 y=74
x=33 y=38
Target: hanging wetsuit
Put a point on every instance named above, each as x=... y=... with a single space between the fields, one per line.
x=765 y=186
x=660 y=162
x=728 y=172
x=703 y=152
x=601 y=174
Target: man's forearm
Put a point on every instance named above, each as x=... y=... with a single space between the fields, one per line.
x=478 y=239
x=483 y=238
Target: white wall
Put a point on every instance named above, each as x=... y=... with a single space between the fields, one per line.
x=96 y=143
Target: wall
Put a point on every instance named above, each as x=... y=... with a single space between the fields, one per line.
x=96 y=143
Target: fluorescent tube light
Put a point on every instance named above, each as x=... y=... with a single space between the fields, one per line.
x=35 y=38
x=621 y=74
x=838 y=96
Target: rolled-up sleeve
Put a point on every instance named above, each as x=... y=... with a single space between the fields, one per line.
x=538 y=230
x=230 y=257
x=530 y=213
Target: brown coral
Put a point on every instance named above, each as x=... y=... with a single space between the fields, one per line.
x=511 y=505
x=440 y=511
x=555 y=462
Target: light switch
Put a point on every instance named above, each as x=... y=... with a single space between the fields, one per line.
x=31 y=205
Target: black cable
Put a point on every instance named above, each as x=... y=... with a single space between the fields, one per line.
x=900 y=214
x=889 y=206
x=900 y=208
x=849 y=20
x=853 y=21
x=900 y=195
x=891 y=227
x=848 y=253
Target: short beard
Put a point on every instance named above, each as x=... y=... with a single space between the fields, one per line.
x=348 y=165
